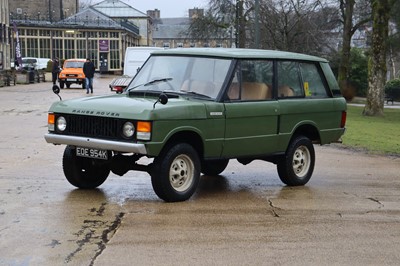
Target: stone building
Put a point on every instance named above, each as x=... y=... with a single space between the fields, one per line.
x=51 y=10
x=173 y=32
x=5 y=35
x=88 y=33
x=102 y=31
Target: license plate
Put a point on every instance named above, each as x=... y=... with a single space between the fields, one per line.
x=91 y=153
x=71 y=79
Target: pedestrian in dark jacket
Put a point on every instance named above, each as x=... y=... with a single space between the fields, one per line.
x=88 y=70
x=55 y=70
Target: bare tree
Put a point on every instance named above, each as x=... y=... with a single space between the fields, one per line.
x=300 y=26
x=295 y=25
x=222 y=18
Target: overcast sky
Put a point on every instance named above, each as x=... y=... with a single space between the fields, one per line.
x=168 y=8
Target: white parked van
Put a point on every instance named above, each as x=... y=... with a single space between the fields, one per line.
x=36 y=63
x=134 y=59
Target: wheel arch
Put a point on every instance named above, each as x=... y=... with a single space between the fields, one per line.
x=189 y=137
x=308 y=130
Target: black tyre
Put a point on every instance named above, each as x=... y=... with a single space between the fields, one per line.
x=176 y=173
x=214 y=167
x=68 y=85
x=297 y=166
x=84 y=172
x=83 y=85
x=61 y=84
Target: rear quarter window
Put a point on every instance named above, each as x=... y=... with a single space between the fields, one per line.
x=313 y=83
x=301 y=79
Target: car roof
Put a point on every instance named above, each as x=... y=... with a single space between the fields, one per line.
x=239 y=53
x=76 y=59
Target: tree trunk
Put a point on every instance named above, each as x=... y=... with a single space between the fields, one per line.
x=377 y=61
x=347 y=8
x=241 y=25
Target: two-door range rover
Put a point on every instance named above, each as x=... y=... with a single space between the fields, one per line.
x=192 y=110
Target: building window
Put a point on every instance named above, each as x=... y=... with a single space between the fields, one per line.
x=69 y=46
x=32 y=48
x=93 y=49
x=31 y=32
x=114 y=34
x=58 y=48
x=166 y=45
x=114 y=55
x=103 y=34
x=92 y=34
x=57 y=33
x=81 y=48
x=44 y=48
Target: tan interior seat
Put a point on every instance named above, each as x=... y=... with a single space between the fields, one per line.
x=250 y=91
x=285 y=91
x=255 y=91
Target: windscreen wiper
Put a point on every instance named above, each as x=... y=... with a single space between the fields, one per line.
x=196 y=94
x=152 y=82
x=155 y=81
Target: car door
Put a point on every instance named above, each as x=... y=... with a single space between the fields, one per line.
x=251 y=112
x=304 y=98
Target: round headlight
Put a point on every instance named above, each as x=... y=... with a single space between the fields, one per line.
x=61 y=123
x=128 y=130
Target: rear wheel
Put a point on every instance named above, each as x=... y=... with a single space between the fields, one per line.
x=297 y=166
x=176 y=173
x=214 y=167
x=84 y=172
x=68 y=85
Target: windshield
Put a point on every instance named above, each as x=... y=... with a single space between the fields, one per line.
x=73 y=64
x=197 y=76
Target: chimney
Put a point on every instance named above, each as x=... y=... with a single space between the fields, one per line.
x=153 y=13
x=196 y=12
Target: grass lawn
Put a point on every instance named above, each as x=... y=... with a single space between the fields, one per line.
x=379 y=135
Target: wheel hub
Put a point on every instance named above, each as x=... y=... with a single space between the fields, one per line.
x=181 y=173
x=301 y=161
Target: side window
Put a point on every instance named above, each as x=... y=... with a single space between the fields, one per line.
x=312 y=81
x=289 y=80
x=252 y=81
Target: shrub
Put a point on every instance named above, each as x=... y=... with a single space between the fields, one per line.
x=392 y=84
x=49 y=66
x=358 y=76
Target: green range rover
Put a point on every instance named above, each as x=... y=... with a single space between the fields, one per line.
x=192 y=110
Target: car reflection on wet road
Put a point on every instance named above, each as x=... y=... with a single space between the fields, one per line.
x=349 y=213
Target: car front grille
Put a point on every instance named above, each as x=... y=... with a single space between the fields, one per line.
x=93 y=126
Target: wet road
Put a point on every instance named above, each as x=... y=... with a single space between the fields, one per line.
x=349 y=213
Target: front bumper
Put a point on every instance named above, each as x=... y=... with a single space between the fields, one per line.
x=96 y=143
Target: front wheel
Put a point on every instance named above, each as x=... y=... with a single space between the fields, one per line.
x=61 y=84
x=297 y=166
x=176 y=173
x=84 y=172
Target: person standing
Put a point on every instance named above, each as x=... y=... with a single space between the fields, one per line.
x=88 y=70
x=55 y=70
